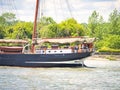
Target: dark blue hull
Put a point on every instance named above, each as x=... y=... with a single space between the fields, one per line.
x=36 y=60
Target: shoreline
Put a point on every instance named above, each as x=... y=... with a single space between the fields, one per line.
x=105 y=57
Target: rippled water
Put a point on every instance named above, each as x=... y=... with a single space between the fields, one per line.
x=98 y=75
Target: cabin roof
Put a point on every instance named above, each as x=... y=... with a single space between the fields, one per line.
x=13 y=41
x=67 y=40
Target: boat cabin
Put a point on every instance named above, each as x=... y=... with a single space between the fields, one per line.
x=85 y=45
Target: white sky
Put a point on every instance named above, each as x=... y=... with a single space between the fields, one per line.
x=58 y=9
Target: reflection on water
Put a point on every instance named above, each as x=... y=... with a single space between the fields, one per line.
x=99 y=75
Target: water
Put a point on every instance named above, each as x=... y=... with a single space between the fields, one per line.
x=99 y=75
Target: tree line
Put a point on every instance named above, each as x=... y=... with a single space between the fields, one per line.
x=106 y=32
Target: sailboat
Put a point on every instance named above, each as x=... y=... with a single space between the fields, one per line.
x=42 y=55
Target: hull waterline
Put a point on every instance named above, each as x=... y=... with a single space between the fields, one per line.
x=37 y=60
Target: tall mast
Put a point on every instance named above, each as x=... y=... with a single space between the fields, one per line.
x=34 y=35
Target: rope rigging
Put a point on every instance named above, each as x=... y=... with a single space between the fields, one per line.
x=69 y=9
x=62 y=8
x=7 y=6
x=55 y=8
x=41 y=8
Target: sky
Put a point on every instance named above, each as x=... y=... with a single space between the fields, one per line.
x=60 y=10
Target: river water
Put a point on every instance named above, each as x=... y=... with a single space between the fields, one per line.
x=98 y=75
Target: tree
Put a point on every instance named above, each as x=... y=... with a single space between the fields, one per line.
x=9 y=18
x=47 y=21
x=2 y=20
x=97 y=26
x=47 y=27
x=114 y=41
x=114 y=19
x=67 y=28
x=93 y=22
x=110 y=41
x=70 y=27
x=109 y=32
x=2 y=33
x=6 y=21
x=2 y=27
x=49 y=31
x=20 y=30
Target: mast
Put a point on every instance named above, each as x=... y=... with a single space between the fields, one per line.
x=34 y=35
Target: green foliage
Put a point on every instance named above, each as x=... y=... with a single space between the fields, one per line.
x=66 y=28
x=70 y=27
x=2 y=32
x=9 y=18
x=2 y=20
x=45 y=32
x=106 y=49
x=96 y=25
x=110 y=41
x=114 y=41
x=20 y=30
x=114 y=22
x=111 y=57
x=108 y=33
x=6 y=20
x=47 y=21
x=47 y=27
x=93 y=22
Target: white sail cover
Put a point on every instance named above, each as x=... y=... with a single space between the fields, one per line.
x=13 y=41
x=67 y=40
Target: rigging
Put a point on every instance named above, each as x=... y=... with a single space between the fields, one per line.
x=68 y=6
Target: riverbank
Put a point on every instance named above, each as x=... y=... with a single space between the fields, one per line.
x=105 y=57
